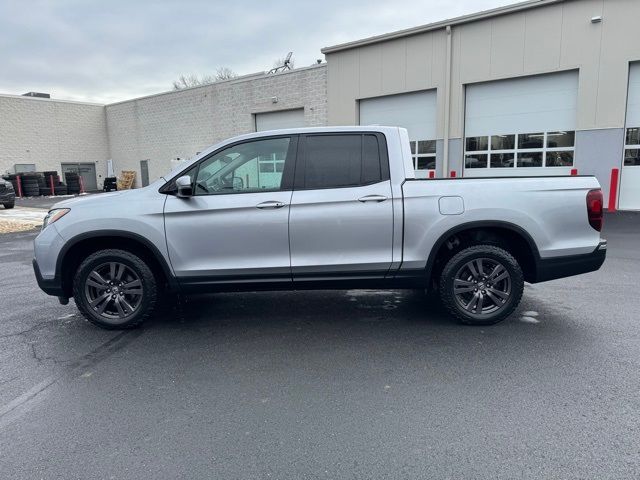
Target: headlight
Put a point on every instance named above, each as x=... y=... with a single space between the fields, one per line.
x=54 y=215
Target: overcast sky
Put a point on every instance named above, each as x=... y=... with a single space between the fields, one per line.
x=112 y=50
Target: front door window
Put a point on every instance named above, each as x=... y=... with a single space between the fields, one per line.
x=247 y=167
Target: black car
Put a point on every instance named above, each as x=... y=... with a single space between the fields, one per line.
x=7 y=194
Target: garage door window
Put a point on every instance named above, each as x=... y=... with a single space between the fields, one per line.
x=423 y=153
x=523 y=150
x=632 y=148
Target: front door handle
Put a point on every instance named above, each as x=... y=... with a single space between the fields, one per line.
x=372 y=198
x=270 y=204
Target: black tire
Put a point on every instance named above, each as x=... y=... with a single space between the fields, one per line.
x=9 y=205
x=84 y=291
x=475 y=288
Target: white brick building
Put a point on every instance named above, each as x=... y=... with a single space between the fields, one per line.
x=48 y=133
x=172 y=125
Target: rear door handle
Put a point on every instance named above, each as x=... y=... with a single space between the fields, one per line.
x=270 y=204
x=372 y=198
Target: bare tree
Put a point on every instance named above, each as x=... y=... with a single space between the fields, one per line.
x=192 y=80
x=225 y=73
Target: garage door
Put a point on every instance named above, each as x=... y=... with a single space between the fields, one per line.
x=279 y=120
x=523 y=126
x=630 y=175
x=414 y=111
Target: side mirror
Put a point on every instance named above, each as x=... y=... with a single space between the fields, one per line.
x=185 y=189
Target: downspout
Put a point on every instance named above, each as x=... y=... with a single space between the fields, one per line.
x=447 y=106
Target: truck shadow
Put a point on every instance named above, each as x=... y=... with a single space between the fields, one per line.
x=346 y=311
x=331 y=306
x=361 y=326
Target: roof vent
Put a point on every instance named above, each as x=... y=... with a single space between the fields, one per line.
x=37 y=94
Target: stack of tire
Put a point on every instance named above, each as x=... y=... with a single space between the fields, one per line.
x=30 y=184
x=73 y=182
x=47 y=183
x=60 y=188
x=42 y=186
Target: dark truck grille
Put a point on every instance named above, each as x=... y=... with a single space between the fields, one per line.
x=3 y=188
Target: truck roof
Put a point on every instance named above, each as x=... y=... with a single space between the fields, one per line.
x=337 y=129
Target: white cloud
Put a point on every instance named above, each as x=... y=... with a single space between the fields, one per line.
x=111 y=51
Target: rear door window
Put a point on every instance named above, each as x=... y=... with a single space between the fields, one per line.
x=346 y=160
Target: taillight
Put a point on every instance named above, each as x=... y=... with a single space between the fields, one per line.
x=595 y=203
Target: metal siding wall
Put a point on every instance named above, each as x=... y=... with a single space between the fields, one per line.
x=537 y=41
x=456 y=149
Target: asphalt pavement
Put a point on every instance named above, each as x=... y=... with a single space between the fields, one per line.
x=329 y=384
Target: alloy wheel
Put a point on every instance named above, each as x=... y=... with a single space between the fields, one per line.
x=114 y=291
x=482 y=286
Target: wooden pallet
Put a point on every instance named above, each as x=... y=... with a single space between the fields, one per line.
x=126 y=180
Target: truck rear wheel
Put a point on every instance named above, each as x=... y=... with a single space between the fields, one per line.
x=115 y=289
x=481 y=285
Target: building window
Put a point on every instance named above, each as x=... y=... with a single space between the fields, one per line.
x=272 y=163
x=423 y=153
x=632 y=147
x=522 y=150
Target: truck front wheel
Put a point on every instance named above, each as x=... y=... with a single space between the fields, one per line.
x=481 y=285
x=115 y=289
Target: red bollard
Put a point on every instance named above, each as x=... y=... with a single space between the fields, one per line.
x=432 y=174
x=81 y=184
x=19 y=184
x=453 y=174
x=613 y=189
x=574 y=171
x=53 y=188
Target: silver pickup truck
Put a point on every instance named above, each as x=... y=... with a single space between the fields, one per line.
x=313 y=209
